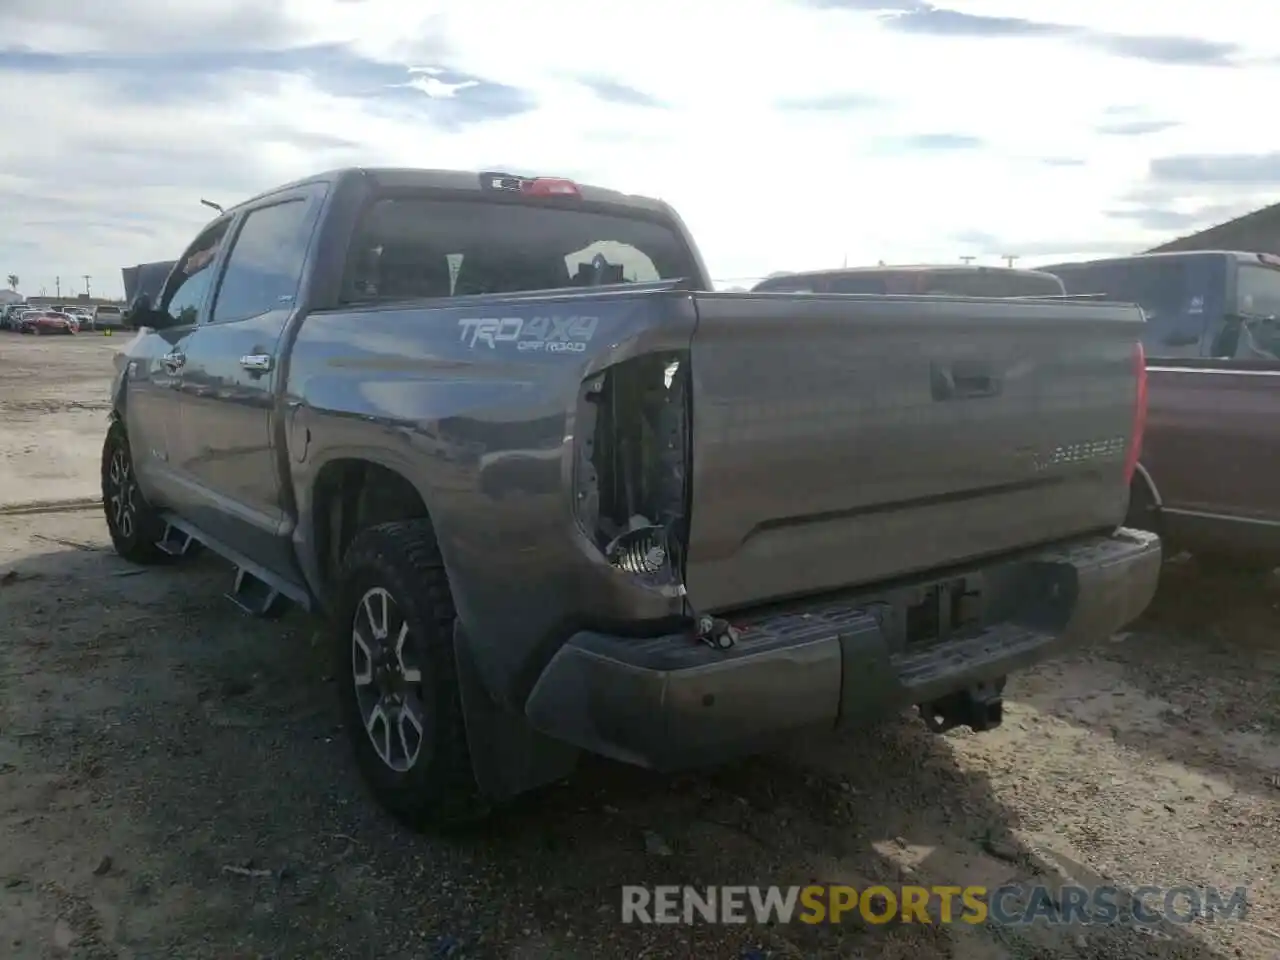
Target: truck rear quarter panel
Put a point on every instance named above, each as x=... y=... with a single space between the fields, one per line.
x=470 y=405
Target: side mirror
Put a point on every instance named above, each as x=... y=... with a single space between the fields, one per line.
x=140 y=313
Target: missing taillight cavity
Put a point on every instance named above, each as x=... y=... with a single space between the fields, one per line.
x=631 y=472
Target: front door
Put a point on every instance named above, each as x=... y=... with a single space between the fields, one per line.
x=156 y=368
x=227 y=452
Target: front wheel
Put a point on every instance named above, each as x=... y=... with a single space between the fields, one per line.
x=393 y=658
x=135 y=526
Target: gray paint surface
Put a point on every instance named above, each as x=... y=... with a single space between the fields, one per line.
x=837 y=441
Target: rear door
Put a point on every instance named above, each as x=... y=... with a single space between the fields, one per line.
x=226 y=449
x=839 y=441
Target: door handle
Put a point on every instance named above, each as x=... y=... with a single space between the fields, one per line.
x=256 y=362
x=963 y=381
x=174 y=360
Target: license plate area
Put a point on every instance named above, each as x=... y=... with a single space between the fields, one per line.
x=934 y=613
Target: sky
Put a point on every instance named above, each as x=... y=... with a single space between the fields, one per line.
x=789 y=134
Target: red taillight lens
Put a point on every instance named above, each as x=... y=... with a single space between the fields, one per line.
x=1139 y=413
x=550 y=187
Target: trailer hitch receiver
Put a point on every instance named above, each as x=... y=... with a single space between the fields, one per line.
x=980 y=708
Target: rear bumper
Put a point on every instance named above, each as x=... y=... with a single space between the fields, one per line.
x=671 y=702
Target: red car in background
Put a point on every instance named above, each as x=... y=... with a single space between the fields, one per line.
x=40 y=322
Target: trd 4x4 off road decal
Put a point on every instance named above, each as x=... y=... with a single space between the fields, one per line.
x=548 y=334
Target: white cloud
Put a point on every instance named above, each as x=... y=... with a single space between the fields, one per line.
x=101 y=169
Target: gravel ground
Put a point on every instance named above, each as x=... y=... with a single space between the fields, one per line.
x=172 y=782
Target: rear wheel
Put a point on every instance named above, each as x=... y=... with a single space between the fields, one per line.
x=135 y=526
x=393 y=657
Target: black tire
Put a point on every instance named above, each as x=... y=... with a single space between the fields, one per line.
x=1143 y=512
x=400 y=563
x=135 y=526
x=1228 y=566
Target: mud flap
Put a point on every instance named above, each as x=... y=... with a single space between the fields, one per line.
x=508 y=757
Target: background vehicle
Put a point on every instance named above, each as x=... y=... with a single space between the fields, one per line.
x=554 y=494
x=11 y=314
x=1204 y=303
x=84 y=318
x=1211 y=451
x=946 y=280
x=40 y=322
x=107 y=318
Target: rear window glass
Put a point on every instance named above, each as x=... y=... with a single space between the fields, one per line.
x=961 y=284
x=955 y=283
x=787 y=285
x=410 y=247
x=1178 y=294
x=866 y=283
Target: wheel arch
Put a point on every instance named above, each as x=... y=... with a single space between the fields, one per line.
x=354 y=491
x=348 y=493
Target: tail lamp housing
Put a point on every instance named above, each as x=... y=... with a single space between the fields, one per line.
x=631 y=466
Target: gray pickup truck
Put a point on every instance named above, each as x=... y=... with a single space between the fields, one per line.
x=555 y=495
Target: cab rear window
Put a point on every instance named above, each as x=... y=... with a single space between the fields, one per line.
x=410 y=247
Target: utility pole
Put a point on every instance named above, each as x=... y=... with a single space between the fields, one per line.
x=967 y=260
x=57 y=287
x=87 y=278
x=1009 y=258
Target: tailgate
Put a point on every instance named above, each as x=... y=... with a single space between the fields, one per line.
x=847 y=440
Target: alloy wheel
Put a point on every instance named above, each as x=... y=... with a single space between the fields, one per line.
x=388 y=680
x=122 y=491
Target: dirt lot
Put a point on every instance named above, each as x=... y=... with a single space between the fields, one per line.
x=172 y=783
x=54 y=392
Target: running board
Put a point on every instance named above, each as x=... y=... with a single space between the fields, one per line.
x=255 y=596
x=176 y=542
x=256 y=590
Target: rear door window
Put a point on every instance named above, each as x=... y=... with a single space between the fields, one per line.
x=409 y=247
